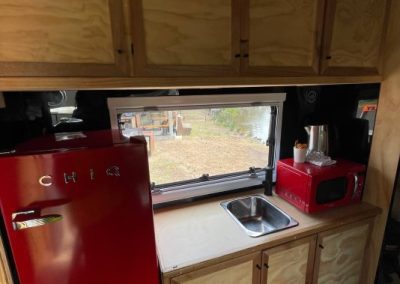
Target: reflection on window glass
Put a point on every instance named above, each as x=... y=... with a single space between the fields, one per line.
x=185 y=144
x=62 y=106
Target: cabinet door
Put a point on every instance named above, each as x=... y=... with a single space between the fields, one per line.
x=281 y=37
x=5 y=273
x=289 y=263
x=184 y=38
x=340 y=254
x=353 y=37
x=242 y=270
x=62 y=38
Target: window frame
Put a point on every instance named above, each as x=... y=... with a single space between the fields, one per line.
x=177 y=192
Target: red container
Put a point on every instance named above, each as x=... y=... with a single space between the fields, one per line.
x=312 y=188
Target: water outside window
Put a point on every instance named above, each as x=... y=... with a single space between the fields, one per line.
x=186 y=144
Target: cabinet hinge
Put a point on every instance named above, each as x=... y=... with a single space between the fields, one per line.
x=132 y=49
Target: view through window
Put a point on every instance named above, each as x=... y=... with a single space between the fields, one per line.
x=187 y=144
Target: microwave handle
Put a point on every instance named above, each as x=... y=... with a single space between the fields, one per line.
x=355 y=184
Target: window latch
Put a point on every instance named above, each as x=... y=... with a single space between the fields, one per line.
x=205 y=177
x=252 y=172
x=154 y=189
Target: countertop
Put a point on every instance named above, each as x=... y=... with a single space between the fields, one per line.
x=201 y=233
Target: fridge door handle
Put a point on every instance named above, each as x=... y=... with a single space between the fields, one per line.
x=355 y=185
x=20 y=222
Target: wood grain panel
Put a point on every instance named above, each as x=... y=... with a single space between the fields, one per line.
x=185 y=38
x=5 y=274
x=281 y=38
x=290 y=263
x=117 y=83
x=71 y=31
x=283 y=32
x=353 y=35
x=239 y=271
x=62 y=38
x=340 y=254
x=196 y=32
x=385 y=149
x=126 y=4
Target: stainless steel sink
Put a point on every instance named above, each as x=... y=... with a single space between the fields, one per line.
x=257 y=216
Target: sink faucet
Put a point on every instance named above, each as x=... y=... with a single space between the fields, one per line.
x=271 y=152
x=268 y=182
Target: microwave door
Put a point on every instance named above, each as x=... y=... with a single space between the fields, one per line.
x=331 y=190
x=80 y=217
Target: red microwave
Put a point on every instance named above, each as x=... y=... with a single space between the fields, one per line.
x=312 y=188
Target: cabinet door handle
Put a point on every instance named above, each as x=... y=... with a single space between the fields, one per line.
x=321 y=246
x=266 y=266
x=355 y=185
x=258 y=267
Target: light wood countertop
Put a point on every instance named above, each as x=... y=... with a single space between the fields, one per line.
x=194 y=235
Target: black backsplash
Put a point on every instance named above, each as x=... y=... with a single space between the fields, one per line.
x=333 y=105
x=27 y=114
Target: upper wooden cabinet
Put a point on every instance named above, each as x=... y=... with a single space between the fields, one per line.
x=62 y=38
x=353 y=35
x=257 y=37
x=178 y=38
x=181 y=37
x=281 y=37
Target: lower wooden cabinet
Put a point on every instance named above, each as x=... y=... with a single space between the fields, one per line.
x=340 y=254
x=241 y=270
x=289 y=263
x=5 y=273
x=333 y=256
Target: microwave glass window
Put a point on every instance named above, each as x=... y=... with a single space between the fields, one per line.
x=331 y=190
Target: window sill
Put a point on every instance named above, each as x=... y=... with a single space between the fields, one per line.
x=195 y=191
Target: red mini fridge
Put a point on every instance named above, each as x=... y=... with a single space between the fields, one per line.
x=77 y=209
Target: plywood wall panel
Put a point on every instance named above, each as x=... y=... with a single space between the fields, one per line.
x=385 y=151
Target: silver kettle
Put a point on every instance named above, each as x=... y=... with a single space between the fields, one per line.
x=318 y=139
